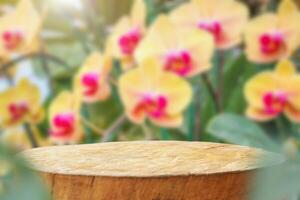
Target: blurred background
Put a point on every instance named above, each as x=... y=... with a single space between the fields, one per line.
x=74 y=29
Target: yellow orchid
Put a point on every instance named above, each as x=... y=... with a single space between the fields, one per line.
x=185 y=53
x=127 y=34
x=148 y=91
x=21 y=104
x=91 y=81
x=64 y=116
x=271 y=36
x=19 y=30
x=224 y=19
x=270 y=94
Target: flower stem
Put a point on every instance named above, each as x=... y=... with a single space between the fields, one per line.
x=19 y=59
x=280 y=128
x=45 y=65
x=220 y=78
x=108 y=134
x=91 y=126
x=147 y=131
x=113 y=81
x=30 y=135
x=210 y=89
x=8 y=78
x=198 y=120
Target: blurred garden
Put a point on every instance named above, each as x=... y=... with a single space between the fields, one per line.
x=91 y=71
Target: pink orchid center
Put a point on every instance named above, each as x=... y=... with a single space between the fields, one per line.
x=90 y=81
x=179 y=62
x=129 y=41
x=64 y=124
x=274 y=102
x=153 y=106
x=18 y=110
x=271 y=43
x=213 y=27
x=12 y=39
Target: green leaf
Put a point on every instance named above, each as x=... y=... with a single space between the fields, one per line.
x=208 y=111
x=278 y=183
x=165 y=135
x=239 y=130
x=90 y=136
x=233 y=77
x=151 y=12
x=17 y=180
x=189 y=119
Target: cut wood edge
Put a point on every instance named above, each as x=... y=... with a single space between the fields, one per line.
x=149 y=159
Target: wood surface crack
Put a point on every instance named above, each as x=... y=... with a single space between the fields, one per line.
x=53 y=184
x=215 y=147
x=92 y=186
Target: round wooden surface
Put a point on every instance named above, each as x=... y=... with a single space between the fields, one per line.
x=148 y=159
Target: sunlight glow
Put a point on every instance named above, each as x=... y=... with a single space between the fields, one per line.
x=68 y=3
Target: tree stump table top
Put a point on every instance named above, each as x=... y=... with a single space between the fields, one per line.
x=148 y=159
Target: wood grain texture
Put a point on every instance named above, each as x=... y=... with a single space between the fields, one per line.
x=149 y=170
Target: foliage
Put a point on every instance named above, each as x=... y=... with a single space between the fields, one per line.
x=17 y=181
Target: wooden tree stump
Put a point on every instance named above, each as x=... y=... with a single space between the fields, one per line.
x=148 y=170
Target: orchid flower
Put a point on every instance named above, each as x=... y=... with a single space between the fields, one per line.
x=152 y=93
x=224 y=19
x=184 y=52
x=273 y=36
x=272 y=93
